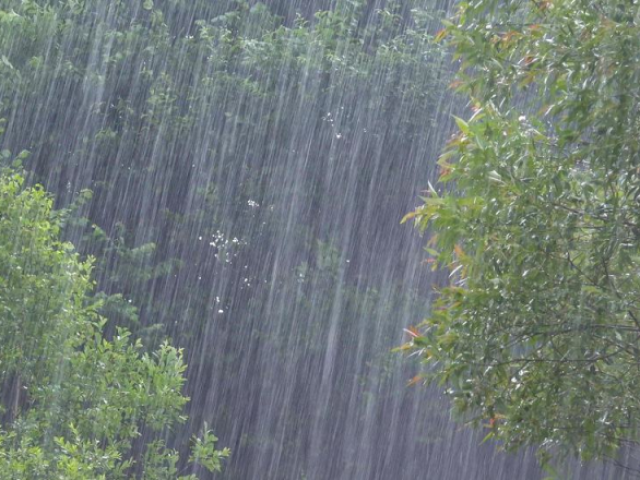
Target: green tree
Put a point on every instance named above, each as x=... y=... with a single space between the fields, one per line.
x=75 y=404
x=191 y=121
x=538 y=220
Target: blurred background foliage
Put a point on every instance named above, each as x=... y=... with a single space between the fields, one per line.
x=249 y=164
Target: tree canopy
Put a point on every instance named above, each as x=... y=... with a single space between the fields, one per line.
x=247 y=171
x=537 y=218
x=76 y=404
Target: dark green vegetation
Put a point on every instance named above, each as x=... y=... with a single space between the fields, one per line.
x=537 y=334
x=74 y=402
x=248 y=167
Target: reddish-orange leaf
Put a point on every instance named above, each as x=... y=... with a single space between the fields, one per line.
x=412 y=331
x=440 y=35
x=444 y=171
x=509 y=35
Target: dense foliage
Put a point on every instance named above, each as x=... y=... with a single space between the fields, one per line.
x=75 y=403
x=177 y=107
x=248 y=166
x=538 y=221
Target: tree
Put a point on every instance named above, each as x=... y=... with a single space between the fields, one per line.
x=75 y=403
x=538 y=220
x=215 y=136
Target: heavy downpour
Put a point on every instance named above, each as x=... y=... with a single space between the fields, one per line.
x=319 y=239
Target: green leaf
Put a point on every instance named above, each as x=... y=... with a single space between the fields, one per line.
x=487 y=437
x=462 y=125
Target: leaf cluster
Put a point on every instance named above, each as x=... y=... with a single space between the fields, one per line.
x=75 y=404
x=537 y=220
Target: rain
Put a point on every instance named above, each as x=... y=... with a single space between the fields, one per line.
x=238 y=170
